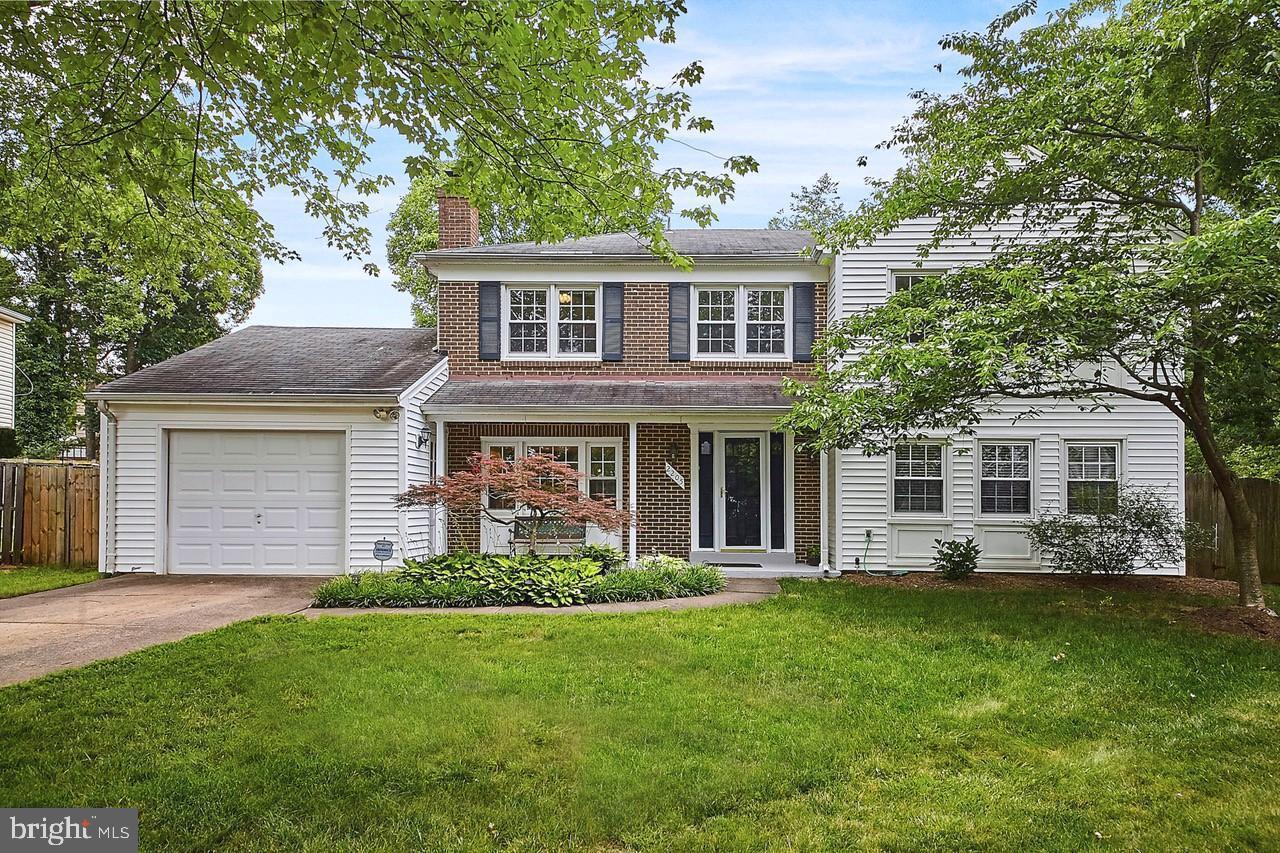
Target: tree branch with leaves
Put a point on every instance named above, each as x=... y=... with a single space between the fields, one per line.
x=1131 y=151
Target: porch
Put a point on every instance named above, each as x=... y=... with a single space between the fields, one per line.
x=713 y=484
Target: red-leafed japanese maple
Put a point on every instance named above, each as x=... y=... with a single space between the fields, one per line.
x=540 y=488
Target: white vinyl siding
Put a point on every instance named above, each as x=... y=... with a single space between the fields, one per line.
x=419 y=449
x=138 y=500
x=8 y=369
x=1151 y=437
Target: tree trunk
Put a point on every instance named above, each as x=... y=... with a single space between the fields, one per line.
x=1244 y=531
x=1244 y=524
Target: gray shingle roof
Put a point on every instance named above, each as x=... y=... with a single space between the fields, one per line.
x=691 y=242
x=621 y=393
x=289 y=360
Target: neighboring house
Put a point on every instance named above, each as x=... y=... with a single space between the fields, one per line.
x=279 y=450
x=9 y=321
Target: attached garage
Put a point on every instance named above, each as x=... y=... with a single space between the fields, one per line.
x=271 y=451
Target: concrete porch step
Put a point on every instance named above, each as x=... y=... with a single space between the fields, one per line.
x=773 y=571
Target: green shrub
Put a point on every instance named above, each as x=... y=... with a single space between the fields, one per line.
x=1140 y=530
x=9 y=444
x=481 y=580
x=955 y=559
x=610 y=558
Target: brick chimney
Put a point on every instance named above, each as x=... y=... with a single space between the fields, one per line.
x=459 y=222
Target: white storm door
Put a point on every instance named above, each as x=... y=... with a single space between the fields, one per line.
x=255 y=502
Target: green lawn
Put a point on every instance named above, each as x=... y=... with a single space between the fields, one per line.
x=831 y=717
x=20 y=580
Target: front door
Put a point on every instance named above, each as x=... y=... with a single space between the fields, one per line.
x=742 y=492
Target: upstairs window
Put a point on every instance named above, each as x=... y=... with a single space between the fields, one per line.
x=1093 y=477
x=917 y=478
x=551 y=321
x=1005 y=477
x=906 y=280
x=741 y=322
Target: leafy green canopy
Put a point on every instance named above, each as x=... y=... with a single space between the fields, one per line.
x=812 y=208
x=1152 y=133
x=415 y=227
x=200 y=106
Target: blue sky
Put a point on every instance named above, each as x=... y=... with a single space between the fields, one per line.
x=806 y=88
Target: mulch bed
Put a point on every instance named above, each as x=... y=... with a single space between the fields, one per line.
x=1243 y=621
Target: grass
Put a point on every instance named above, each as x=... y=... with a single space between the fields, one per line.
x=20 y=580
x=830 y=717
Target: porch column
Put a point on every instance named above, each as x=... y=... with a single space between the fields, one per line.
x=823 y=564
x=440 y=468
x=632 y=489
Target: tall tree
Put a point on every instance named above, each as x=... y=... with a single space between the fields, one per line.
x=1152 y=129
x=543 y=108
x=415 y=227
x=815 y=208
x=117 y=293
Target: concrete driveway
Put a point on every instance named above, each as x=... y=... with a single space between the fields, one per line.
x=47 y=631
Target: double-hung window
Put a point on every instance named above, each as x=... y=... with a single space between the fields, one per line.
x=918 y=478
x=1004 y=471
x=598 y=460
x=551 y=321
x=507 y=453
x=743 y=321
x=1093 y=476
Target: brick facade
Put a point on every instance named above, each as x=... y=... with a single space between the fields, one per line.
x=663 y=518
x=808 y=496
x=644 y=334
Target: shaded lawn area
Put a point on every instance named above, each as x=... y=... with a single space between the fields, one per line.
x=831 y=717
x=20 y=580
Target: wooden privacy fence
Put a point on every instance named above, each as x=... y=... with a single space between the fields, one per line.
x=49 y=513
x=1205 y=507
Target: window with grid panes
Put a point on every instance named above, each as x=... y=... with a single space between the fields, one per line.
x=1004 y=473
x=917 y=478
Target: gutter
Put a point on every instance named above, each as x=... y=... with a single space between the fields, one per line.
x=247 y=399
x=106 y=488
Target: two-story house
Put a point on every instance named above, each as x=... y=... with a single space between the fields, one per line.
x=281 y=449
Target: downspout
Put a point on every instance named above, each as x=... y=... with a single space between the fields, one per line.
x=106 y=489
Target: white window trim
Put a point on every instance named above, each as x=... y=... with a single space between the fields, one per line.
x=892 y=284
x=945 y=515
x=584 y=445
x=553 y=321
x=1068 y=443
x=1032 y=477
x=740 y=324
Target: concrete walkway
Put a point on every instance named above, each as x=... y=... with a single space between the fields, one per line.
x=57 y=629
x=736 y=591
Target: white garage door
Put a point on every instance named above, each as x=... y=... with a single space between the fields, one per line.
x=243 y=502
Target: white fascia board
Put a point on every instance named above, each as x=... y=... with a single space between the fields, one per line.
x=168 y=399
x=748 y=270
x=440 y=367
